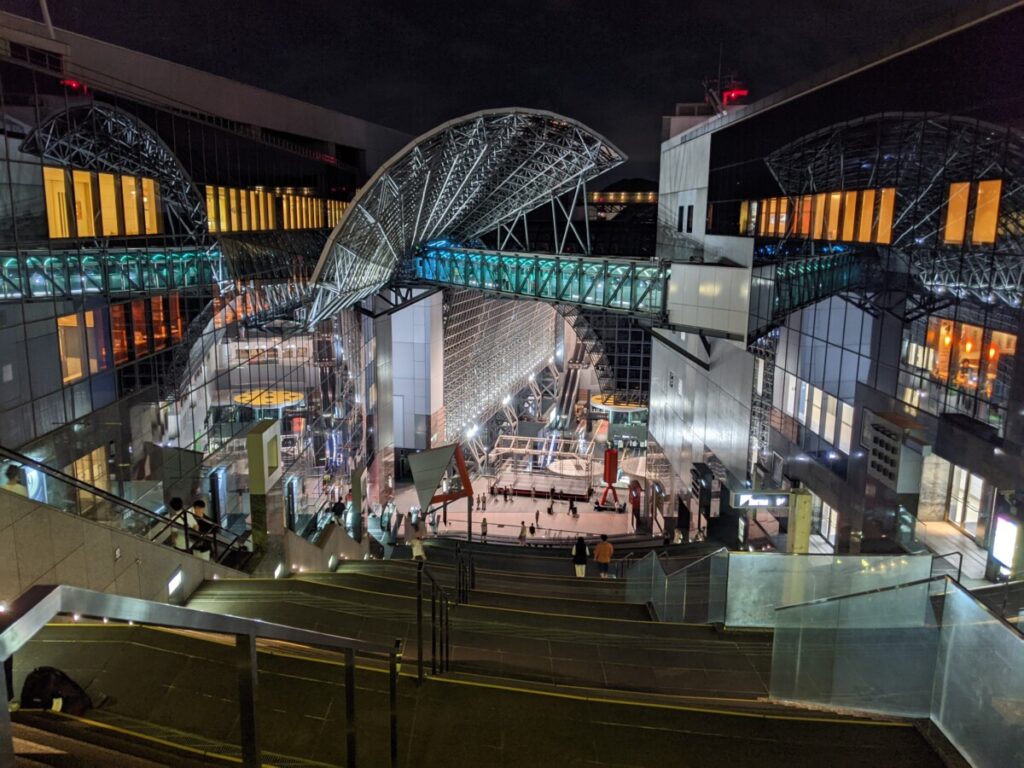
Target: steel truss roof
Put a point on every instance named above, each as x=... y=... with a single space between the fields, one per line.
x=456 y=182
x=920 y=154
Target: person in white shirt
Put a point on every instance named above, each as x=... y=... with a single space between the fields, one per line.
x=13 y=483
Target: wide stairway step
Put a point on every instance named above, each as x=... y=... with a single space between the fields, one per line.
x=183 y=683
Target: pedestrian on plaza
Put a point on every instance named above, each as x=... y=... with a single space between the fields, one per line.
x=483 y=531
x=504 y=494
x=483 y=503
x=533 y=492
x=603 y=555
x=13 y=483
x=522 y=533
x=533 y=530
x=580 y=553
x=536 y=518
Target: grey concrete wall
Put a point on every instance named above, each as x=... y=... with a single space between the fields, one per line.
x=40 y=544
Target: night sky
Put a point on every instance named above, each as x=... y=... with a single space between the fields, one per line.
x=616 y=66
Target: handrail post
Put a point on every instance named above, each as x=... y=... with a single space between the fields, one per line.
x=393 y=701
x=447 y=636
x=350 y=707
x=433 y=628
x=245 y=664
x=419 y=623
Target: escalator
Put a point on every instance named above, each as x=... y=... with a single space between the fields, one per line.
x=570 y=388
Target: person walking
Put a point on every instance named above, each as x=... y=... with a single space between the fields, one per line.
x=13 y=483
x=536 y=518
x=603 y=555
x=580 y=553
x=483 y=503
x=201 y=530
x=504 y=494
x=522 y=533
x=417 y=549
x=483 y=531
x=533 y=531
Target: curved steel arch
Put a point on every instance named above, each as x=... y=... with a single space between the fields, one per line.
x=455 y=183
x=102 y=137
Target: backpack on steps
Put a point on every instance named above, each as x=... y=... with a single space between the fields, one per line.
x=49 y=688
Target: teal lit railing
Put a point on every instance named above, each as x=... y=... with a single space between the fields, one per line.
x=624 y=285
x=74 y=273
x=801 y=282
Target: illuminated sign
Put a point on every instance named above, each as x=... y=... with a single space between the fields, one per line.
x=1004 y=541
x=760 y=500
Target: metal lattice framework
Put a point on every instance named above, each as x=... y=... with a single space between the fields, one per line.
x=921 y=155
x=491 y=349
x=103 y=138
x=465 y=178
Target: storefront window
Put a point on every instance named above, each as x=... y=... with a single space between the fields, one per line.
x=965 y=501
x=161 y=334
x=72 y=347
x=967 y=358
x=140 y=333
x=119 y=333
x=99 y=346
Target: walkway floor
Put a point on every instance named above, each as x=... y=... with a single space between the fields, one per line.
x=943 y=538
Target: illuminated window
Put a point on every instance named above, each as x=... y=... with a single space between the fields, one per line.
x=805 y=215
x=223 y=217
x=119 y=333
x=867 y=215
x=986 y=212
x=151 y=206
x=271 y=208
x=72 y=347
x=802 y=401
x=243 y=203
x=140 y=335
x=161 y=334
x=211 y=207
x=783 y=216
x=845 y=427
x=887 y=202
x=96 y=335
x=815 y=424
x=744 y=215
x=233 y=208
x=177 y=318
x=832 y=220
x=130 y=203
x=956 y=213
x=849 y=215
x=818 y=226
x=85 y=208
x=773 y=220
x=762 y=217
x=56 y=192
x=829 y=430
x=109 y=224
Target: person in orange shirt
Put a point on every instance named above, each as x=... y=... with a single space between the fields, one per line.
x=603 y=555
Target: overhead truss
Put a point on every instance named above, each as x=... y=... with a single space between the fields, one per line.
x=468 y=177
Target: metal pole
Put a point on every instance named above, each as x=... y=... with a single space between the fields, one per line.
x=247 y=672
x=393 y=703
x=433 y=628
x=350 y=707
x=447 y=636
x=6 y=736
x=419 y=623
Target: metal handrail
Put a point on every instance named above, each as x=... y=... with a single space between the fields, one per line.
x=233 y=543
x=37 y=606
x=959 y=565
x=437 y=628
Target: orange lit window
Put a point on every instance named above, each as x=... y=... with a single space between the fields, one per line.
x=849 y=215
x=140 y=333
x=271 y=210
x=818 y=228
x=772 y=224
x=130 y=204
x=161 y=335
x=886 y=205
x=223 y=217
x=151 y=206
x=805 y=215
x=956 y=213
x=867 y=215
x=986 y=212
x=85 y=208
x=56 y=192
x=177 y=319
x=233 y=208
x=832 y=223
x=211 y=207
x=243 y=204
x=744 y=216
x=72 y=347
x=110 y=225
x=762 y=217
x=783 y=216
x=119 y=332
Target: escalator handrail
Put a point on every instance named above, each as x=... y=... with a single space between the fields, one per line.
x=167 y=520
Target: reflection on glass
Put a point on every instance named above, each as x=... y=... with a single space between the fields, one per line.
x=72 y=347
x=119 y=333
x=56 y=202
